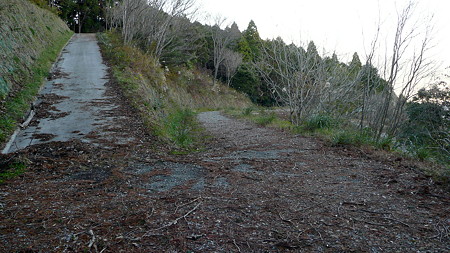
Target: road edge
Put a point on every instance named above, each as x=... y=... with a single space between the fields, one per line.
x=31 y=113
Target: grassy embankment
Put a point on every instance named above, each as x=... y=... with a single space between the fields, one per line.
x=167 y=98
x=30 y=40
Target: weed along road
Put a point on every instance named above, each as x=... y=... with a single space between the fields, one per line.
x=74 y=103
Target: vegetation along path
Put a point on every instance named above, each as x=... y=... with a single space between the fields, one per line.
x=251 y=189
x=74 y=103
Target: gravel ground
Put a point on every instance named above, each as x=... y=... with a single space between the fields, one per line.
x=251 y=189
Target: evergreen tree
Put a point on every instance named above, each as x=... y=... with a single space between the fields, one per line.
x=205 y=49
x=356 y=62
x=332 y=63
x=248 y=81
x=312 y=54
x=236 y=34
x=82 y=15
x=370 y=79
x=247 y=78
x=249 y=46
x=355 y=65
x=428 y=124
x=245 y=50
x=334 y=59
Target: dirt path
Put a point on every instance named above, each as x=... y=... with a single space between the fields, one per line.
x=252 y=189
x=299 y=194
x=74 y=103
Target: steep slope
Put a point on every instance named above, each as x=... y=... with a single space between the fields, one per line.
x=30 y=40
x=166 y=97
x=25 y=31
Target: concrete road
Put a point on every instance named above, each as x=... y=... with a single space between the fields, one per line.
x=74 y=103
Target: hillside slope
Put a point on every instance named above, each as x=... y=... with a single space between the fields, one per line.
x=25 y=32
x=166 y=97
x=30 y=40
x=245 y=189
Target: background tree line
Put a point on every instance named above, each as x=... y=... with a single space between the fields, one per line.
x=81 y=16
x=377 y=97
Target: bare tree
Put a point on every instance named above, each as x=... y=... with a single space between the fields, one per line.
x=165 y=20
x=156 y=22
x=307 y=84
x=404 y=67
x=367 y=84
x=112 y=15
x=231 y=62
x=129 y=14
x=221 y=39
x=295 y=77
x=419 y=67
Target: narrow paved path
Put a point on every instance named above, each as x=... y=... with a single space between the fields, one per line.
x=74 y=103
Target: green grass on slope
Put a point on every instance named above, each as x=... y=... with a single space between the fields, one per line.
x=26 y=31
x=15 y=107
x=30 y=40
x=11 y=170
x=166 y=98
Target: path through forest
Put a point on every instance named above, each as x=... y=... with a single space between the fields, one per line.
x=250 y=189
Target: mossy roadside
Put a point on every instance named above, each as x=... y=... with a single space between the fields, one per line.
x=30 y=40
x=11 y=168
x=16 y=105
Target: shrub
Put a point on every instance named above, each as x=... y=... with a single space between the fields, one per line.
x=180 y=126
x=247 y=111
x=11 y=169
x=320 y=121
x=385 y=143
x=351 y=137
x=342 y=138
x=265 y=119
x=422 y=153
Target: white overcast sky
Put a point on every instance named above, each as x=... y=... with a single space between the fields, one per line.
x=343 y=26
